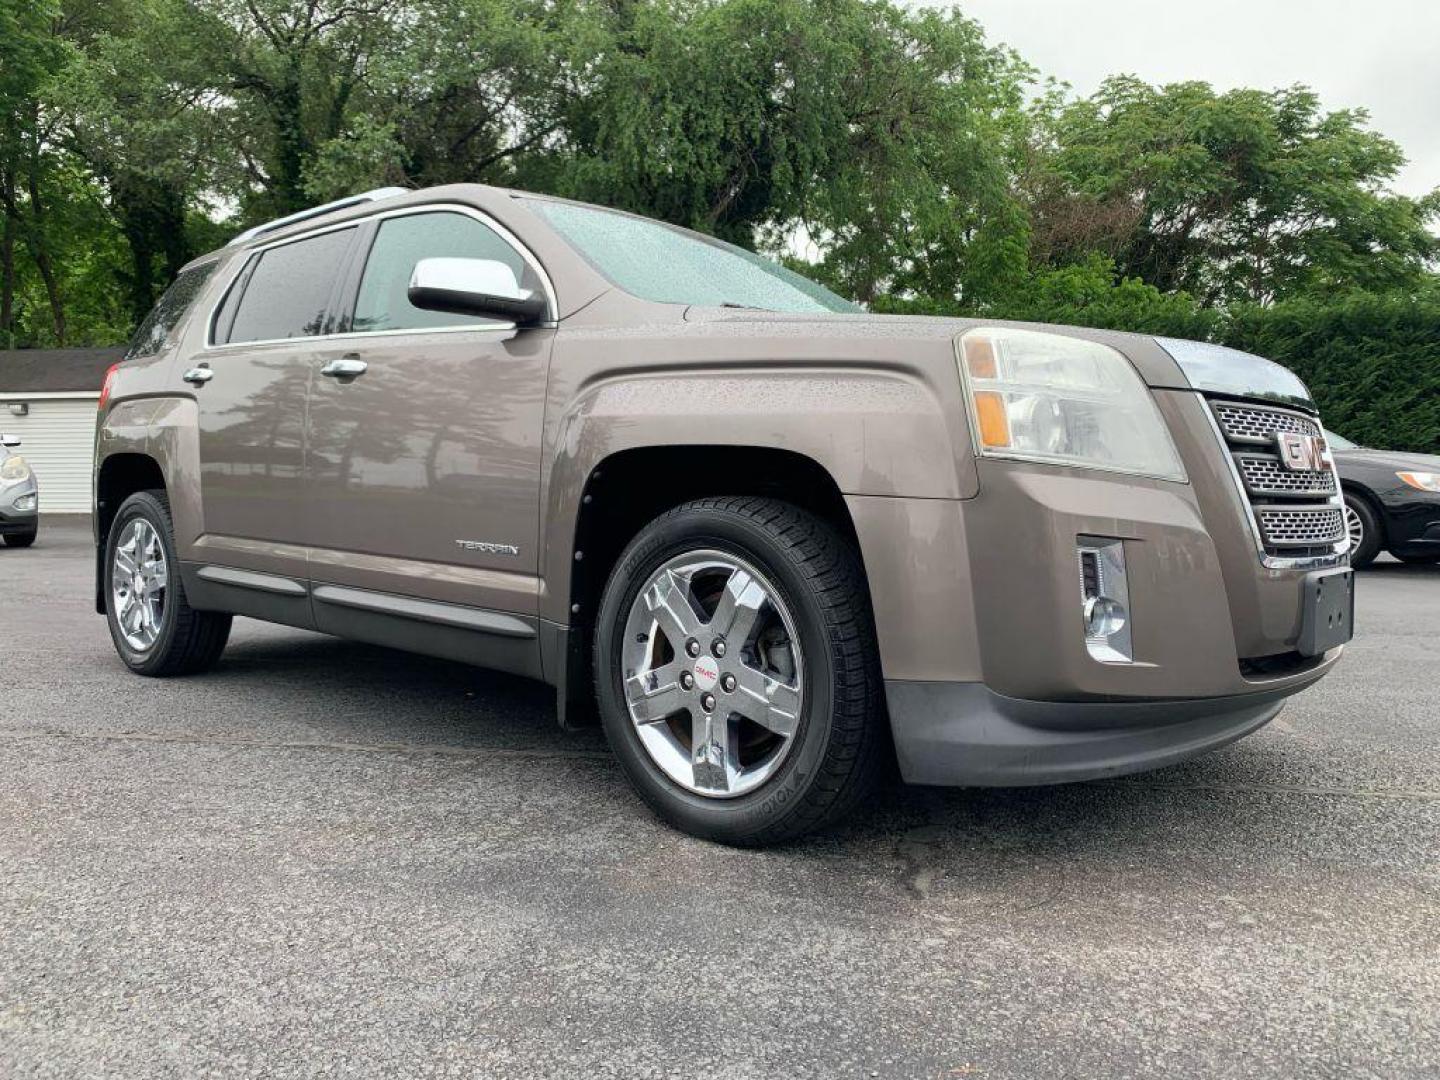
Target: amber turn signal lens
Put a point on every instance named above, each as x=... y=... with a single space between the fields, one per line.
x=980 y=357
x=994 y=425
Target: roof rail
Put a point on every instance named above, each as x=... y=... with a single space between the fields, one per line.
x=317 y=211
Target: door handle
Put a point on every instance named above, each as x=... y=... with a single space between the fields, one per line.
x=346 y=368
x=198 y=376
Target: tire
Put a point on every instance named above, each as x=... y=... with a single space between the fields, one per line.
x=1418 y=560
x=838 y=748
x=21 y=540
x=1363 y=553
x=184 y=640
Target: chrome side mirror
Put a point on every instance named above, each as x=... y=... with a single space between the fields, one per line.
x=473 y=287
x=9 y=440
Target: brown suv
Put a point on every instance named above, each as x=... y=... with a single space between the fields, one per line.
x=767 y=534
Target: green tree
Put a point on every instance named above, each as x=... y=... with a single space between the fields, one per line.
x=133 y=98
x=30 y=50
x=1243 y=196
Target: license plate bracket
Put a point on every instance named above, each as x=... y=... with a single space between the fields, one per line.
x=1327 y=611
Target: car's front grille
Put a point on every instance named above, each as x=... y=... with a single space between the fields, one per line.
x=1264 y=474
x=1259 y=424
x=1288 y=526
x=1297 y=512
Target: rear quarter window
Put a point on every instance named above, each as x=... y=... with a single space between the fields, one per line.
x=150 y=338
x=285 y=291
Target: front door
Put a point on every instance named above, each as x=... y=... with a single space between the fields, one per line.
x=250 y=390
x=424 y=439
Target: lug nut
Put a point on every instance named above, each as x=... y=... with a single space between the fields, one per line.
x=718 y=647
x=692 y=647
x=727 y=682
x=687 y=681
x=707 y=702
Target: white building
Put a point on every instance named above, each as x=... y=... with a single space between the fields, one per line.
x=48 y=399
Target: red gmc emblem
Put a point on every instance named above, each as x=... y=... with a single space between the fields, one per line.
x=1302 y=453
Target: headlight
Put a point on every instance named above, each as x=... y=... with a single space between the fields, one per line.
x=1063 y=400
x=1425 y=481
x=14 y=468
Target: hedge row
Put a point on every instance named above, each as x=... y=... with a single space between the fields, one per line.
x=1372 y=362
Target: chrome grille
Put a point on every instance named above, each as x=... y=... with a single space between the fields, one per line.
x=1297 y=514
x=1268 y=476
x=1245 y=423
x=1308 y=527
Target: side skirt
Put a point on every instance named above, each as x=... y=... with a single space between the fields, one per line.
x=492 y=639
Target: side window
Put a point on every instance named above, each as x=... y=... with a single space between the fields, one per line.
x=168 y=311
x=401 y=242
x=288 y=289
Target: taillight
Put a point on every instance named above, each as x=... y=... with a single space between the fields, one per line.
x=105 y=386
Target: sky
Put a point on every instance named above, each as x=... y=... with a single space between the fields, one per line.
x=1382 y=55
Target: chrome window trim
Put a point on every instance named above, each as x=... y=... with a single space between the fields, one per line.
x=1339 y=557
x=551 y=302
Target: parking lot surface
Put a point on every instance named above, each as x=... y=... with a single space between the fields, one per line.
x=330 y=859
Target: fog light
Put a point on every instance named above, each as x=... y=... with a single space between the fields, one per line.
x=1105 y=599
x=1104 y=617
x=25 y=502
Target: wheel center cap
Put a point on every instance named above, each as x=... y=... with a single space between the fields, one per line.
x=707 y=673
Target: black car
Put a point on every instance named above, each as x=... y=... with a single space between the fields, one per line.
x=1392 y=502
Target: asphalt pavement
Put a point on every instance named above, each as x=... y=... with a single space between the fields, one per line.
x=327 y=859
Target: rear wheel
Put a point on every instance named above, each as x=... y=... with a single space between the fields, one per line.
x=736 y=671
x=155 y=630
x=1364 y=529
x=21 y=539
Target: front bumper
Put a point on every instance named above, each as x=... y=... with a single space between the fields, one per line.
x=13 y=520
x=1412 y=522
x=964 y=734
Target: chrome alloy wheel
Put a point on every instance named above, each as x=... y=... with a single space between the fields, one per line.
x=138 y=580
x=712 y=672
x=1355 y=526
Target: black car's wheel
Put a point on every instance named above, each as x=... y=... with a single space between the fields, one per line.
x=155 y=630
x=21 y=539
x=737 y=672
x=1419 y=560
x=1364 y=529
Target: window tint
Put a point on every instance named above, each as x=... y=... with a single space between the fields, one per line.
x=401 y=242
x=168 y=311
x=659 y=262
x=289 y=288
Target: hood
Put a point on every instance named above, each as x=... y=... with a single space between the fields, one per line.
x=1156 y=366
x=1222 y=370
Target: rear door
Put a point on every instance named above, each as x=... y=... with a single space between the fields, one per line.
x=252 y=408
x=424 y=471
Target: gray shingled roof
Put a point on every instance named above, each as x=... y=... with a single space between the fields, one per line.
x=47 y=371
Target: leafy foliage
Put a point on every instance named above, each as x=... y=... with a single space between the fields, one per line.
x=1240 y=196
x=1371 y=360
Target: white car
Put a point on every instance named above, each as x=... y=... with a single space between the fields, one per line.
x=19 y=496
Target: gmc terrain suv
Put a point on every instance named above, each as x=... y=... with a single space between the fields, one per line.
x=767 y=535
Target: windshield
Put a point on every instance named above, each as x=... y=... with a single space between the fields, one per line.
x=1229 y=371
x=655 y=261
x=1339 y=442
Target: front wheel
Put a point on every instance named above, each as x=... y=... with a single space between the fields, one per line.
x=21 y=539
x=736 y=671
x=1364 y=529
x=155 y=630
